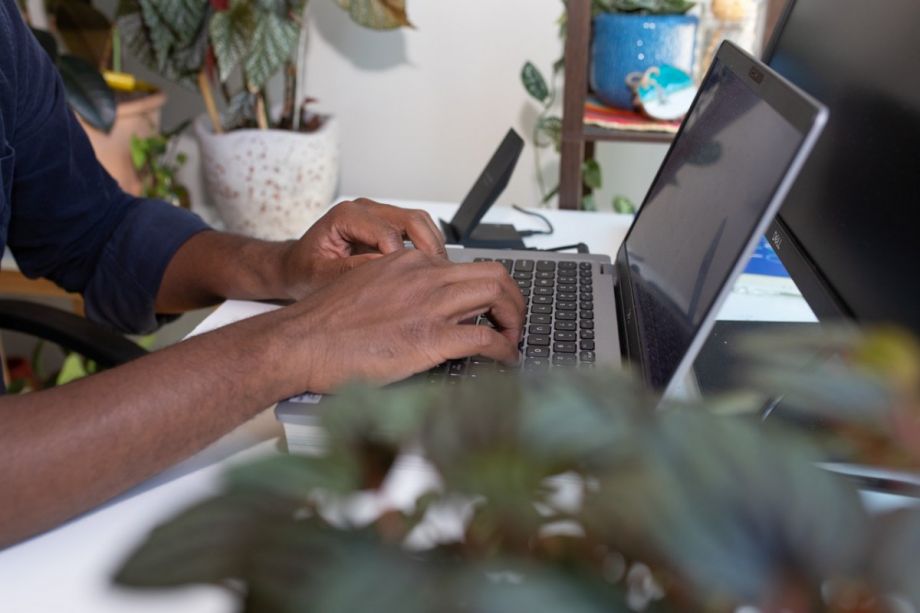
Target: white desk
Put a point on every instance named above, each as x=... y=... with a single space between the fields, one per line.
x=69 y=569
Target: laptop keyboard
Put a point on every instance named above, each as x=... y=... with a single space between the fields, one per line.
x=559 y=328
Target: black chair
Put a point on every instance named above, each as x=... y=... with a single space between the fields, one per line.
x=72 y=332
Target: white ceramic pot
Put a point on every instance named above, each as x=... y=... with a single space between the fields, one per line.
x=270 y=184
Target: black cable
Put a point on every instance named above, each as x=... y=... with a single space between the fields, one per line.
x=526 y=233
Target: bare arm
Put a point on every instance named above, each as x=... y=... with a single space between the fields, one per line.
x=213 y=266
x=70 y=448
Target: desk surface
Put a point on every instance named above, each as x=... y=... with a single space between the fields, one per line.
x=69 y=569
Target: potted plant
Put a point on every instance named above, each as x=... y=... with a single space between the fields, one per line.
x=112 y=106
x=570 y=494
x=633 y=36
x=270 y=174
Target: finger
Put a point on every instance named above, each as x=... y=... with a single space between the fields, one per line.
x=352 y=262
x=459 y=273
x=417 y=227
x=460 y=341
x=363 y=227
x=462 y=301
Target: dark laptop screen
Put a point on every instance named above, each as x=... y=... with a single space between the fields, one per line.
x=699 y=215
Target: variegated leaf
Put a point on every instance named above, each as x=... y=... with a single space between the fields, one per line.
x=377 y=14
x=273 y=41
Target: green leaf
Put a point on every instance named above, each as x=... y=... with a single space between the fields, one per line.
x=654 y=7
x=549 y=132
x=87 y=92
x=71 y=369
x=138 y=152
x=377 y=14
x=86 y=31
x=622 y=204
x=272 y=43
x=591 y=174
x=230 y=33
x=48 y=43
x=588 y=203
x=534 y=83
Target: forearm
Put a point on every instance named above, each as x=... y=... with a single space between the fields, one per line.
x=215 y=266
x=68 y=449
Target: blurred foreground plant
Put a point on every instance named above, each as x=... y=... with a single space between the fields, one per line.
x=568 y=494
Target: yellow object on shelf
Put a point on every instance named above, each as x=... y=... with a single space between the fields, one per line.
x=122 y=81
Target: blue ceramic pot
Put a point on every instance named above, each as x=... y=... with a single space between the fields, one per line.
x=630 y=42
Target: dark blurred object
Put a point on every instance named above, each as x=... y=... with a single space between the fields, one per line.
x=849 y=226
x=70 y=331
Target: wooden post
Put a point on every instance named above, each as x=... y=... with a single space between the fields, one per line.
x=578 y=34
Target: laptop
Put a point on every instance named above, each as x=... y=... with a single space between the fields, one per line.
x=735 y=157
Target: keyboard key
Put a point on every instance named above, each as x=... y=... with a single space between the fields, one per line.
x=564 y=348
x=587 y=305
x=544 y=291
x=567 y=265
x=566 y=306
x=586 y=356
x=565 y=288
x=566 y=278
x=481 y=359
x=587 y=324
x=537 y=340
x=524 y=265
x=547 y=300
x=525 y=291
x=506 y=263
x=546 y=265
x=567 y=297
x=538 y=352
x=536 y=364
x=545 y=275
x=566 y=337
x=585 y=345
x=545 y=283
x=566 y=316
x=586 y=334
x=542 y=309
x=586 y=315
x=540 y=329
x=522 y=274
x=564 y=359
x=584 y=265
x=541 y=319
x=566 y=326
x=457 y=368
x=524 y=282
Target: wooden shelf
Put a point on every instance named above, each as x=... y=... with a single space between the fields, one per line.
x=594 y=133
x=577 y=138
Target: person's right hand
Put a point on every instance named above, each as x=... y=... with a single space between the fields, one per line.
x=400 y=315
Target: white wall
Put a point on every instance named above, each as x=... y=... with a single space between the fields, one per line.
x=421 y=110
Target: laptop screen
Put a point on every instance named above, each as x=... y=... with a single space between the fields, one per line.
x=698 y=218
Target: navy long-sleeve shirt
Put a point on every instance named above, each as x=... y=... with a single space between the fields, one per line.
x=63 y=217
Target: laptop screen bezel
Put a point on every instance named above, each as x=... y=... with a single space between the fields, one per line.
x=801 y=111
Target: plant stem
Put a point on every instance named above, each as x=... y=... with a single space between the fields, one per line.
x=209 y=105
x=116 y=50
x=301 y=64
x=261 y=115
x=290 y=85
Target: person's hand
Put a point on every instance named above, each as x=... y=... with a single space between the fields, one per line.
x=351 y=234
x=400 y=315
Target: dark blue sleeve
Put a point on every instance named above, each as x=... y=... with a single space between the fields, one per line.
x=69 y=221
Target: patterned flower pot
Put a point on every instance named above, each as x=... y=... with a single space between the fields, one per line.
x=270 y=184
x=626 y=43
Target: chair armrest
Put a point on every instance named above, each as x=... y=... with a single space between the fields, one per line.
x=72 y=332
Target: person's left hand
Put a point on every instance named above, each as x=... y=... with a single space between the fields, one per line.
x=353 y=233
